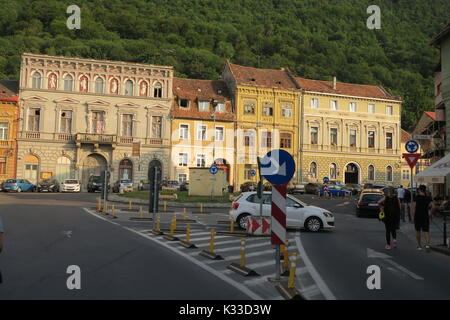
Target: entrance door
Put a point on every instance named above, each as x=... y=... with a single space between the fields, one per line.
x=351 y=173
x=32 y=168
x=93 y=165
x=63 y=169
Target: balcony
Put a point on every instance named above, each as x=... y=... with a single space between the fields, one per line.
x=96 y=139
x=6 y=144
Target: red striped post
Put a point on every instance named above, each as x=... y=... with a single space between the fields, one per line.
x=278 y=225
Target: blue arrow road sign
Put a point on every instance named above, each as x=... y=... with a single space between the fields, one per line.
x=412 y=146
x=278 y=167
x=213 y=169
x=252 y=173
x=326 y=180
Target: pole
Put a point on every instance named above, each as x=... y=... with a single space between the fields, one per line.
x=277 y=262
x=155 y=195
x=411 y=200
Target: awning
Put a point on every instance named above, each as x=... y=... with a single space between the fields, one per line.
x=435 y=173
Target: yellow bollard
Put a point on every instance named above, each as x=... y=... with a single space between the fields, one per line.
x=211 y=241
x=188 y=232
x=231 y=224
x=184 y=213
x=141 y=213
x=291 y=281
x=113 y=211
x=129 y=205
x=165 y=206
x=242 y=253
x=285 y=255
x=201 y=207
x=172 y=227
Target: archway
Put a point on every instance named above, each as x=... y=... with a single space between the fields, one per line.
x=225 y=166
x=126 y=170
x=93 y=165
x=351 y=173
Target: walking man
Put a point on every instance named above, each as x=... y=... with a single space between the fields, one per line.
x=421 y=217
x=401 y=197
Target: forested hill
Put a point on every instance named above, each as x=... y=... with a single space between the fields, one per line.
x=313 y=38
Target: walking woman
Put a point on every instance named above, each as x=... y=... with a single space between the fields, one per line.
x=390 y=204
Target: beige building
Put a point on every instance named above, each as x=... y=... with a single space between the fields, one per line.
x=80 y=116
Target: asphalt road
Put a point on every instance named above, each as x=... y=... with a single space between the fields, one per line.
x=46 y=233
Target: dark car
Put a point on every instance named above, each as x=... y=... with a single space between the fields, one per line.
x=312 y=188
x=144 y=185
x=249 y=186
x=94 y=184
x=184 y=186
x=354 y=188
x=49 y=185
x=367 y=204
x=373 y=186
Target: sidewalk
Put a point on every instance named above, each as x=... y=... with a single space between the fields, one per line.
x=436 y=234
x=173 y=204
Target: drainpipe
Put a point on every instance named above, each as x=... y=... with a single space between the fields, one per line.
x=300 y=135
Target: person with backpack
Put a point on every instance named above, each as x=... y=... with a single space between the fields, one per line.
x=390 y=205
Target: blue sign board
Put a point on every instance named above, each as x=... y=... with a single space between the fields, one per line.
x=213 y=170
x=278 y=167
x=252 y=173
x=412 y=146
x=326 y=180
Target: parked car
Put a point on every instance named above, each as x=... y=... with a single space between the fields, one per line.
x=368 y=203
x=18 y=185
x=125 y=184
x=354 y=188
x=49 y=185
x=249 y=186
x=299 y=214
x=335 y=191
x=70 y=185
x=373 y=186
x=296 y=187
x=95 y=184
x=312 y=188
x=144 y=185
x=184 y=186
x=170 y=184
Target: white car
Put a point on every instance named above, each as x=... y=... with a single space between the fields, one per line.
x=70 y=185
x=299 y=214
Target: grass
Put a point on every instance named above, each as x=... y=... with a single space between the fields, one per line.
x=182 y=196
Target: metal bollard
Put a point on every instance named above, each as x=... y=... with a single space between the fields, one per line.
x=242 y=262
x=188 y=232
x=211 y=241
x=291 y=281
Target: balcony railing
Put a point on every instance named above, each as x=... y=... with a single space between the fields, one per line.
x=6 y=143
x=32 y=135
x=126 y=140
x=96 y=138
x=347 y=149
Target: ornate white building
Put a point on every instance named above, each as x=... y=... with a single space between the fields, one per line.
x=79 y=116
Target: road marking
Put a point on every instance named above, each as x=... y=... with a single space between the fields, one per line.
x=253 y=254
x=312 y=270
x=228 y=280
x=379 y=255
x=238 y=248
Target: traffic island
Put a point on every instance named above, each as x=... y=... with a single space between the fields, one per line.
x=288 y=293
x=188 y=245
x=171 y=237
x=211 y=255
x=156 y=232
x=242 y=270
x=232 y=234
x=140 y=219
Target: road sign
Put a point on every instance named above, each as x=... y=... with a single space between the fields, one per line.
x=412 y=146
x=278 y=222
x=258 y=226
x=326 y=180
x=411 y=159
x=213 y=170
x=252 y=173
x=278 y=167
x=421 y=136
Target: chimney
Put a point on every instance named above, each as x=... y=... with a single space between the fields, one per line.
x=334 y=83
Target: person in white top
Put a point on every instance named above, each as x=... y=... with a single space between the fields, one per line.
x=401 y=196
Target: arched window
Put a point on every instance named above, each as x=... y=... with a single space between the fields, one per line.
x=333 y=171
x=99 y=85
x=371 y=173
x=389 y=175
x=313 y=170
x=68 y=82
x=157 y=90
x=37 y=79
x=129 y=88
x=126 y=170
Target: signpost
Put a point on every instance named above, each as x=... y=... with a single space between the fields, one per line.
x=213 y=170
x=411 y=158
x=154 y=178
x=326 y=180
x=278 y=167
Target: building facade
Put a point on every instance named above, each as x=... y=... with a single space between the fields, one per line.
x=267 y=115
x=351 y=133
x=202 y=127
x=81 y=116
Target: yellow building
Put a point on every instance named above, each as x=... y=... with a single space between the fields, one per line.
x=266 y=105
x=351 y=133
x=202 y=127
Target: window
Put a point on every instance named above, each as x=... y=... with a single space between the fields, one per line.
x=249 y=107
x=3 y=130
x=220 y=107
x=36 y=80
x=352 y=138
x=157 y=90
x=2 y=165
x=34 y=119
x=98 y=124
x=182 y=177
x=371 y=173
x=184 y=131
x=267 y=139
x=334 y=136
x=267 y=109
x=405 y=174
x=99 y=85
x=371 y=139
x=286 y=110
x=371 y=108
x=334 y=105
x=201 y=160
x=389 y=176
x=156 y=127
x=353 y=107
x=285 y=140
x=203 y=105
x=314 y=135
x=313 y=170
x=249 y=138
x=201 y=132
x=127 y=125
x=389 y=110
x=247 y=171
x=333 y=171
x=314 y=103
x=66 y=122
x=68 y=83
x=184 y=103
x=129 y=88
x=183 y=159
x=219 y=134
x=388 y=140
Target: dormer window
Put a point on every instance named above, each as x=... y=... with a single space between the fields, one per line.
x=203 y=105
x=184 y=103
x=220 y=107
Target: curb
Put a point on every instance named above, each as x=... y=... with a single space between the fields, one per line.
x=117 y=199
x=442 y=250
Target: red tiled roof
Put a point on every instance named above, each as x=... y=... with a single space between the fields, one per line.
x=203 y=90
x=267 y=78
x=10 y=99
x=405 y=136
x=431 y=114
x=348 y=89
x=9 y=88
